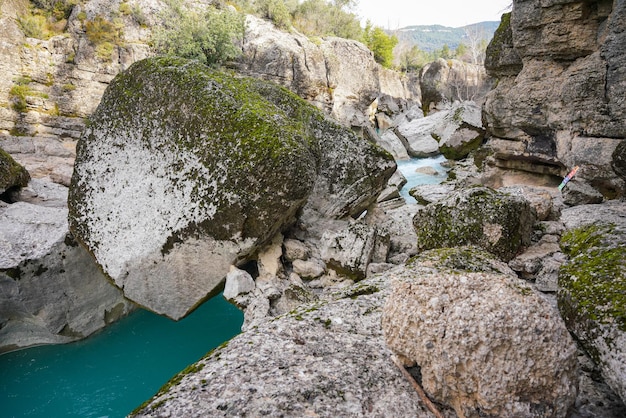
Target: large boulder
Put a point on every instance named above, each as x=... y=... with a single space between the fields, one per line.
x=592 y=286
x=486 y=344
x=185 y=171
x=454 y=131
x=446 y=81
x=497 y=222
x=12 y=174
x=51 y=290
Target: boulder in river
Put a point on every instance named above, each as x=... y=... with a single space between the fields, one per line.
x=184 y=171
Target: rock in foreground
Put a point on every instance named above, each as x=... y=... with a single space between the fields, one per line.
x=184 y=171
x=592 y=286
x=486 y=344
x=327 y=359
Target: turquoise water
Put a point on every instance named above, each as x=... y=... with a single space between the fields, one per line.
x=114 y=371
x=408 y=167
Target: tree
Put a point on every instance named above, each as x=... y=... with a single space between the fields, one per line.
x=381 y=44
x=211 y=36
x=476 y=43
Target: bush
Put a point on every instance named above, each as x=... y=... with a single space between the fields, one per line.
x=104 y=35
x=210 y=37
x=34 y=26
x=380 y=44
x=321 y=18
x=276 y=11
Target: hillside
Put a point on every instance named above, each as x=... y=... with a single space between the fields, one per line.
x=432 y=37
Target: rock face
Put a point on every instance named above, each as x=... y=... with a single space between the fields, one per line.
x=322 y=359
x=338 y=75
x=184 y=171
x=51 y=290
x=446 y=81
x=12 y=175
x=494 y=221
x=467 y=322
x=559 y=100
x=592 y=286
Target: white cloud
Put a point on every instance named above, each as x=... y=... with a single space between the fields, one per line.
x=394 y=14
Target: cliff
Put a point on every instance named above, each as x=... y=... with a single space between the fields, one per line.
x=559 y=100
x=49 y=87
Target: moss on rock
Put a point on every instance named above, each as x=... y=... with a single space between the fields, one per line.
x=496 y=222
x=592 y=283
x=12 y=174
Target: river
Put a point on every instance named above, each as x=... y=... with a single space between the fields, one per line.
x=112 y=372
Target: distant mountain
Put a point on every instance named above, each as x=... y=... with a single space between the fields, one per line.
x=432 y=37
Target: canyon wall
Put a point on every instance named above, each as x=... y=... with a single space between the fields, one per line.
x=560 y=96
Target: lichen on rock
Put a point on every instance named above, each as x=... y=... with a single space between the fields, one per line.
x=495 y=221
x=592 y=287
x=184 y=171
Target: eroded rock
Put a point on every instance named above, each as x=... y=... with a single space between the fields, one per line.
x=464 y=319
x=185 y=171
x=497 y=222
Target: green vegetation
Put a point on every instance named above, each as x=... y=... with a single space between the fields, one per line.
x=19 y=92
x=104 y=35
x=46 y=19
x=210 y=36
x=380 y=43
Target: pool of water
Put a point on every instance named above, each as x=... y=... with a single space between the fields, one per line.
x=111 y=373
x=408 y=167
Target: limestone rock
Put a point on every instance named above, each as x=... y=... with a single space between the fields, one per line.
x=619 y=159
x=337 y=75
x=397 y=222
x=531 y=261
x=238 y=282
x=309 y=269
x=295 y=250
x=444 y=131
x=12 y=175
x=430 y=193
x=323 y=359
x=169 y=190
x=592 y=286
x=446 y=81
x=501 y=58
x=494 y=221
x=349 y=251
x=466 y=322
x=567 y=87
x=392 y=144
x=51 y=290
x=580 y=193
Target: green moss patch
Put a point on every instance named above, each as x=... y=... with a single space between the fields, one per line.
x=592 y=282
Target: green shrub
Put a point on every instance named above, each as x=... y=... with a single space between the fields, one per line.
x=210 y=37
x=19 y=92
x=276 y=11
x=321 y=18
x=380 y=44
x=104 y=35
x=34 y=26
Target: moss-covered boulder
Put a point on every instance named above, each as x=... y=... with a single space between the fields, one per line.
x=495 y=221
x=184 y=171
x=592 y=288
x=12 y=174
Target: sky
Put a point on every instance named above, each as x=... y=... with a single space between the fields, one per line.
x=394 y=14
